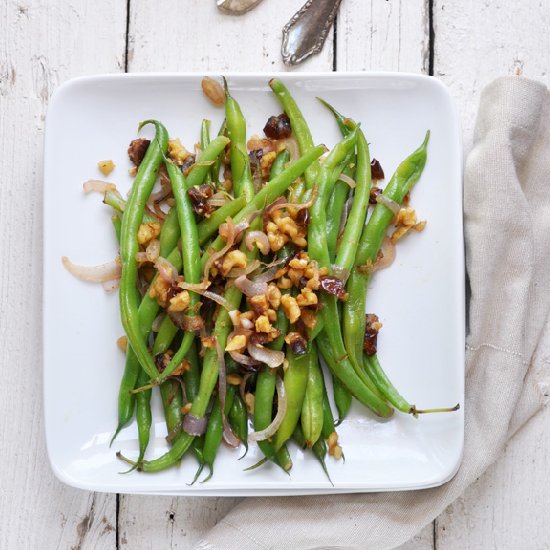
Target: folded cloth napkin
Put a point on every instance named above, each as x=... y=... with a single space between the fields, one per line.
x=507 y=233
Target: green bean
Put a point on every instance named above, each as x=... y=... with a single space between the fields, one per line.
x=270 y=192
x=143 y=416
x=115 y=201
x=216 y=167
x=198 y=451
x=279 y=164
x=209 y=376
x=238 y=419
x=209 y=226
x=319 y=449
x=190 y=249
x=335 y=208
x=265 y=390
x=205 y=140
x=205 y=161
x=328 y=417
x=214 y=431
x=240 y=163
x=341 y=120
x=312 y=407
x=170 y=233
x=358 y=212
x=295 y=381
x=299 y=127
x=342 y=399
x=405 y=177
x=147 y=312
x=117 y=224
x=128 y=294
x=343 y=369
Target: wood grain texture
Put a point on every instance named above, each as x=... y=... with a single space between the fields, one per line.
x=42 y=43
x=477 y=41
x=474 y=43
x=202 y=38
x=383 y=36
x=168 y=522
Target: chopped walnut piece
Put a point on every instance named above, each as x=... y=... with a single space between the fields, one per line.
x=249 y=401
x=306 y=298
x=266 y=162
x=290 y=307
x=258 y=304
x=234 y=379
x=147 y=232
x=271 y=315
x=161 y=291
x=273 y=296
x=405 y=221
x=106 y=166
x=262 y=324
x=180 y=302
x=122 y=343
x=186 y=408
x=177 y=152
x=333 y=448
x=284 y=283
x=299 y=263
x=234 y=258
x=236 y=343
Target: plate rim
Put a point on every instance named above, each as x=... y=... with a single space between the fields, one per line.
x=456 y=133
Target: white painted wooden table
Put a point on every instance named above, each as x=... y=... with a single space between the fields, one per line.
x=45 y=42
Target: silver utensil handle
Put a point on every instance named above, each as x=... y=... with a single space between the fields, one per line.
x=305 y=34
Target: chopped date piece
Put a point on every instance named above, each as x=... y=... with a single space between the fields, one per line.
x=199 y=195
x=278 y=127
x=376 y=170
x=297 y=343
x=137 y=149
x=303 y=217
x=162 y=360
x=255 y=157
x=372 y=328
x=333 y=285
x=187 y=164
x=374 y=192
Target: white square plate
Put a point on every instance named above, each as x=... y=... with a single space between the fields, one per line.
x=420 y=300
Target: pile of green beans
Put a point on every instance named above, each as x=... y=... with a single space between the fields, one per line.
x=214 y=289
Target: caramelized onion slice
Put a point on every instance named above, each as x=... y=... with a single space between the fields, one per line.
x=388 y=203
x=270 y=357
x=250 y=288
x=94 y=274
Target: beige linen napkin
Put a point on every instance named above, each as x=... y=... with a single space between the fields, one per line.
x=507 y=232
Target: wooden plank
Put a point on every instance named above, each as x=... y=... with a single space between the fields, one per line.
x=168 y=522
x=202 y=38
x=383 y=36
x=477 y=41
x=43 y=43
x=508 y=506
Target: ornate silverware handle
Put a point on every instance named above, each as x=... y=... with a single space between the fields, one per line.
x=305 y=34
